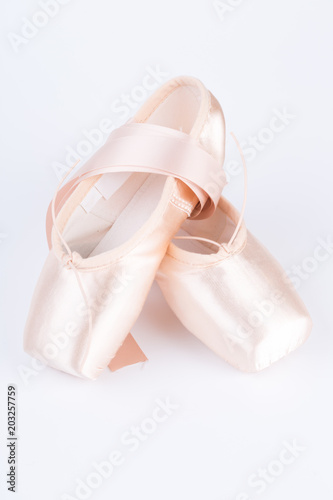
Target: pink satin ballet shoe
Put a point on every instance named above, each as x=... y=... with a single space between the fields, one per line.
x=109 y=227
x=229 y=291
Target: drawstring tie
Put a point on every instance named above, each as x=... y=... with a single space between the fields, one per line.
x=70 y=260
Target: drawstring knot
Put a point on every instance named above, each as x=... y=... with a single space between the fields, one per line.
x=69 y=260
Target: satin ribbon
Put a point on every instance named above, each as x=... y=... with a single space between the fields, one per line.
x=141 y=147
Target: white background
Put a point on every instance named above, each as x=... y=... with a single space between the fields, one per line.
x=259 y=56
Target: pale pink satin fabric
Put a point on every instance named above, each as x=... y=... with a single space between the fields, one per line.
x=56 y=320
x=238 y=301
x=141 y=147
x=116 y=294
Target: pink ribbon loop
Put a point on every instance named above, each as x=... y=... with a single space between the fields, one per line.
x=142 y=147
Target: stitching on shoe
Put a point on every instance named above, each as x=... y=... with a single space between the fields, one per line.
x=181 y=203
x=182 y=207
x=187 y=203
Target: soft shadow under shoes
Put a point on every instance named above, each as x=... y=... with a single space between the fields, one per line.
x=229 y=291
x=109 y=226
